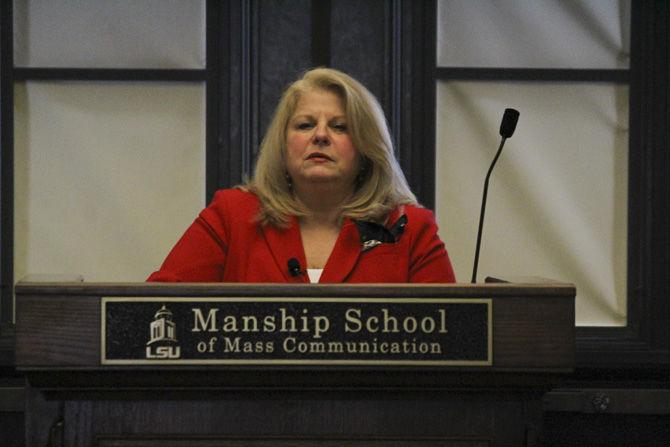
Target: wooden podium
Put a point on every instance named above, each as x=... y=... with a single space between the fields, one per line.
x=79 y=398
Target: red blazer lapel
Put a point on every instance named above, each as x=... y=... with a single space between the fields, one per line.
x=284 y=244
x=344 y=256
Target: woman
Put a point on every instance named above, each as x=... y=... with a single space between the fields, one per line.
x=328 y=202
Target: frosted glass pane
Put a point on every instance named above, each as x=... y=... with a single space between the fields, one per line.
x=107 y=176
x=557 y=205
x=534 y=33
x=111 y=34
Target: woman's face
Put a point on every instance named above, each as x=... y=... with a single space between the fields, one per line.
x=318 y=144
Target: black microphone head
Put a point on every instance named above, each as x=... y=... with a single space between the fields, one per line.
x=293 y=267
x=508 y=123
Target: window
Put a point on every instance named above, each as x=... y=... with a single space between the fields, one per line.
x=558 y=199
x=109 y=135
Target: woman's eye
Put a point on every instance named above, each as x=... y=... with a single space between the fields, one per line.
x=340 y=127
x=304 y=126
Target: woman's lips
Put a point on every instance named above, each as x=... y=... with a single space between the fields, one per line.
x=319 y=157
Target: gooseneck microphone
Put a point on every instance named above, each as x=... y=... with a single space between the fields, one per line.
x=293 y=267
x=507 y=126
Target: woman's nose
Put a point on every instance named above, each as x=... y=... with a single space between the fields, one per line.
x=321 y=137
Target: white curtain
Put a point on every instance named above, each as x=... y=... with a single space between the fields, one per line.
x=558 y=197
x=107 y=176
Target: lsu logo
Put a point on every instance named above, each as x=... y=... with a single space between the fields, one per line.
x=163 y=352
x=163 y=341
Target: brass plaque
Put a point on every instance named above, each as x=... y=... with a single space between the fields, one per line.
x=296 y=331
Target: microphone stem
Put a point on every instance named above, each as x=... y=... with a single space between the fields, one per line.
x=483 y=209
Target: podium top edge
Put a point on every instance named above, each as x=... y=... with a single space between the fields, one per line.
x=278 y=290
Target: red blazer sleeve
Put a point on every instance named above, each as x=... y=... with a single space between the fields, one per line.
x=429 y=260
x=200 y=254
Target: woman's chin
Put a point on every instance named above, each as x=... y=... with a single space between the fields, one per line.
x=321 y=176
x=326 y=181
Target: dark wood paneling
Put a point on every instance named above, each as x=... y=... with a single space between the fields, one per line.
x=602 y=430
x=6 y=164
x=271 y=441
x=217 y=153
x=521 y=327
x=231 y=36
x=285 y=52
x=498 y=419
x=12 y=416
x=11 y=429
x=43 y=421
x=7 y=339
x=12 y=412
x=417 y=87
x=358 y=43
x=609 y=401
x=51 y=340
x=232 y=91
x=321 y=11
x=650 y=142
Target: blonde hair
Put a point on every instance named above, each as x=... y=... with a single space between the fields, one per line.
x=382 y=185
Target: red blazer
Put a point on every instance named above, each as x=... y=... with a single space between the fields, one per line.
x=226 y=243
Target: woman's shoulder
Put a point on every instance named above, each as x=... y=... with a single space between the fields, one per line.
x=234 y=195
x=415 y=212
x=234 y=202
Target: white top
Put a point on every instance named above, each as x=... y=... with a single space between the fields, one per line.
x=314 y=275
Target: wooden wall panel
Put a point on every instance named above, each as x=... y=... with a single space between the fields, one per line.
x=358 y=44
x=284 y=52
x=264 y=45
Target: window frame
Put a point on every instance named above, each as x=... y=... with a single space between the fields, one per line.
x=645 y=341
x=11 y=74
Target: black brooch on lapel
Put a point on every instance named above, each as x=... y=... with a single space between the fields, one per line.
x=373 y=234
